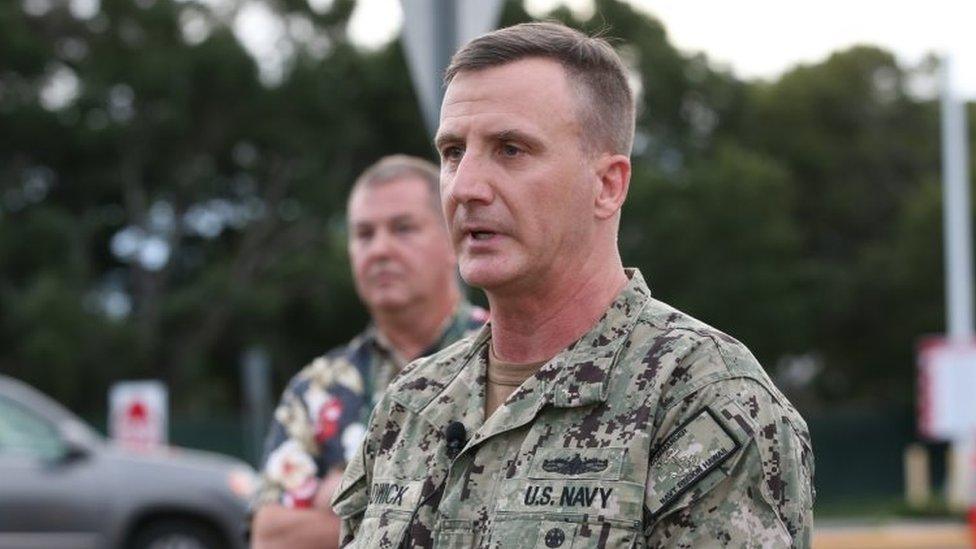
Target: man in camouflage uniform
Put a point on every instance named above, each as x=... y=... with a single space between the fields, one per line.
x=405 y=273
x=587 y=413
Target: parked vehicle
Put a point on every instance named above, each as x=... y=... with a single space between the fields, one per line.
x=62 y=485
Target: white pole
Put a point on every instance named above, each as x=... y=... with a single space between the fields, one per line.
x=957 y=211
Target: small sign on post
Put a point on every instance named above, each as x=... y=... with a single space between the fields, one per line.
x=947 y=376
x=947 y=408
x=139 y=414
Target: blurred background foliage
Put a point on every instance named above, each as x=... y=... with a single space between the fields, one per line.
x=167 y=200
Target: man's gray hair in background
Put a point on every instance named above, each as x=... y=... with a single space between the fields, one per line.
x=400 y=166
x=606 y=108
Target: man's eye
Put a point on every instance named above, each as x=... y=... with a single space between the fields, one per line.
x=511 y=150
x=364 y=235
x=404 y=228
x=452 y=153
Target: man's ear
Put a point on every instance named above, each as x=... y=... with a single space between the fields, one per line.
x=613 y=179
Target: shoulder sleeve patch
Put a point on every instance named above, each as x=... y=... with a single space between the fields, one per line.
x=690 y=453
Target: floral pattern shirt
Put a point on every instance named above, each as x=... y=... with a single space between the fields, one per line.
x=319 y=423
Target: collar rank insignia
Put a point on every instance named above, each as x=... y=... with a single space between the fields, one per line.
x=574 y=466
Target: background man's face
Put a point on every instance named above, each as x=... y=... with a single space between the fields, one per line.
x=398 y=245
x=515 y=183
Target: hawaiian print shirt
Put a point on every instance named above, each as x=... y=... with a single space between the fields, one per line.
x=320 y=420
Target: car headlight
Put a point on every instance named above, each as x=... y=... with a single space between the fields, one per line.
x=242 y=482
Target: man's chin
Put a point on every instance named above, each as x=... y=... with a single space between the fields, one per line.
x=485 y=277
x=387 y=301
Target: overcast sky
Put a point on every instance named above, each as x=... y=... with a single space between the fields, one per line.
x=762 y=38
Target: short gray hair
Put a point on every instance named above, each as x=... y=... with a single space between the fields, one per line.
x=606 y=109
x=400 y=166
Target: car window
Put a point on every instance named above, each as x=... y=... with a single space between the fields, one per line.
x=23 y=433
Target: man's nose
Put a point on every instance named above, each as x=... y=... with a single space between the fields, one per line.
x=381 y=245
x=472 y=180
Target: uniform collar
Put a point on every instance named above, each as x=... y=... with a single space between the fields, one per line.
x=580 y=374
x=577 y=376
x=457 y=380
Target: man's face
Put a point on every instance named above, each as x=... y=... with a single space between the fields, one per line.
x=516 y=187
x=398 y=245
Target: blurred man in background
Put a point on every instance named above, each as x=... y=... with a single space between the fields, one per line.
x=587 y=413
x=405 y=273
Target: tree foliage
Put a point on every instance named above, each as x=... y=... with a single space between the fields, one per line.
x=165 y=204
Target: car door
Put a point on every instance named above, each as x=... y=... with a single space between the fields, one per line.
x=48 y=496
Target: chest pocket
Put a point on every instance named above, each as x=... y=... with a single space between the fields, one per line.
x=379 y=512
x=571 y=498
x=391 y=504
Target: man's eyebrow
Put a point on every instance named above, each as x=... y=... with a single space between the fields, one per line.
x=520 y=136
x=444 y=139
x=361 y=224
x=401 y=218
x=404 y=217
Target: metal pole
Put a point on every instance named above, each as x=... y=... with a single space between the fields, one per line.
x=256 y=381
x=432 y=30
x=957 y=211
x=445 y=42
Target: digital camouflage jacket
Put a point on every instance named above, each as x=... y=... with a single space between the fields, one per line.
x=320 y=420
x=652 y=430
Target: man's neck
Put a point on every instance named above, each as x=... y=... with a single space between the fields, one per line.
x=534 y=326
x=413 y=329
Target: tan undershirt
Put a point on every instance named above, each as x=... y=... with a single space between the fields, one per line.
x=504 y=378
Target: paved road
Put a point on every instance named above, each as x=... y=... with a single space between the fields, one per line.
x=894 y=535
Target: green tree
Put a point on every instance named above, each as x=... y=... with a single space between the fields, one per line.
x=167 y=209
x=861 y=150
x=166 y=201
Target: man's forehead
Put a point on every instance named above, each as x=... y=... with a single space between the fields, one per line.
x=513 y=72
x=514 y=93
x=389 y=200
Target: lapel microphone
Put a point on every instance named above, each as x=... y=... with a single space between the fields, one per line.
x=456 y=436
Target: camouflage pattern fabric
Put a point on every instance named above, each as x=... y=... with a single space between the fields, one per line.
x=320 y=420
x=652 y=430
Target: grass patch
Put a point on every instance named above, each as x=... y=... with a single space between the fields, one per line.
x=881 y=508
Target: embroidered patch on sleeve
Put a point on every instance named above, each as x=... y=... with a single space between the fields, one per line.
x=689 y=454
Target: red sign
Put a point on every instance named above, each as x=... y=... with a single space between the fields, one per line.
x=138 y=414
